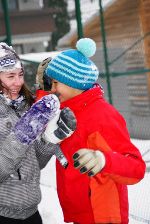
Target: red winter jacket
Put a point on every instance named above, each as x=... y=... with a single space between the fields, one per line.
x=103 y=198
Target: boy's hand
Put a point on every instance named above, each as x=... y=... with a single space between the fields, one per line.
x=60 y=127
x=89 y=161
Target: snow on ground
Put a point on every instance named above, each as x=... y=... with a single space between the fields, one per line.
x=49 y=207
x=139 y=194
x=139 y=199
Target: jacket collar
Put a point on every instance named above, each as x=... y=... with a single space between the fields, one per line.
x=79 y=102
x=18 y=104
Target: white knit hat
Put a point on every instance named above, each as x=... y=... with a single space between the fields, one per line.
x=9 y=60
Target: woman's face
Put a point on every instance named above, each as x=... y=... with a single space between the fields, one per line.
x=12 y=82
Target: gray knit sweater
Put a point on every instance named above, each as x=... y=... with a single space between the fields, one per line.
x=19 y=167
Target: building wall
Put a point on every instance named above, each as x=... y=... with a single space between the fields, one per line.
x=145 y=26
x=30 y=5
x=31 y=24
x=126 y=22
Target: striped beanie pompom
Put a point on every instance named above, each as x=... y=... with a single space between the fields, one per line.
x=73 y=67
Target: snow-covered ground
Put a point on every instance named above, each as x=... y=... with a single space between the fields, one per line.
x=139 y=199
x=139 y=194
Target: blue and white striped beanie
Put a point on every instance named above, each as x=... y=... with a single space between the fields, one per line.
x=73 y=67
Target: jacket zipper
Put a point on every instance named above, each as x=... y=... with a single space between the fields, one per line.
x=19 y=175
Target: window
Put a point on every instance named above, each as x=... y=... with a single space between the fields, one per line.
x=12 y=5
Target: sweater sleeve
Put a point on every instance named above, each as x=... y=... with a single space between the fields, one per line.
x=44 y=151
x=124 y=169
x=124 y=163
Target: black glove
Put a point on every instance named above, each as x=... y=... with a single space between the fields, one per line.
x=66 y=124
x=56 y=131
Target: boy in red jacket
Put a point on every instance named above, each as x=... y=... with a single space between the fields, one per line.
x=102 y=159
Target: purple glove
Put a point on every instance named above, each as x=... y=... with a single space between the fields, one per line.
x=34 y=122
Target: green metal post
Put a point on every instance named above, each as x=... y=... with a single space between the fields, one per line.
x=7 y=21
x=78 y=18
x=103 y=33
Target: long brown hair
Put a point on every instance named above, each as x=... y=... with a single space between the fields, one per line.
x=25 y=92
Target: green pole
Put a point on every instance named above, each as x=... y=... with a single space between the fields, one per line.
x=7 y=21
x=103 y=33
x=78 y=18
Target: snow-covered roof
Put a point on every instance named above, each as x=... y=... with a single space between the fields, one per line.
x=38 y=57
x=88 y=11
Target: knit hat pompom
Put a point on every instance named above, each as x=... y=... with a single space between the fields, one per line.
x=86 y=46
x=73 y=67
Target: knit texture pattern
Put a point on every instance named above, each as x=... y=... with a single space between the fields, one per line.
x=9 y=60
x=73 y=67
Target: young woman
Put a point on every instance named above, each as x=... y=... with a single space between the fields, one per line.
x=20 y=164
